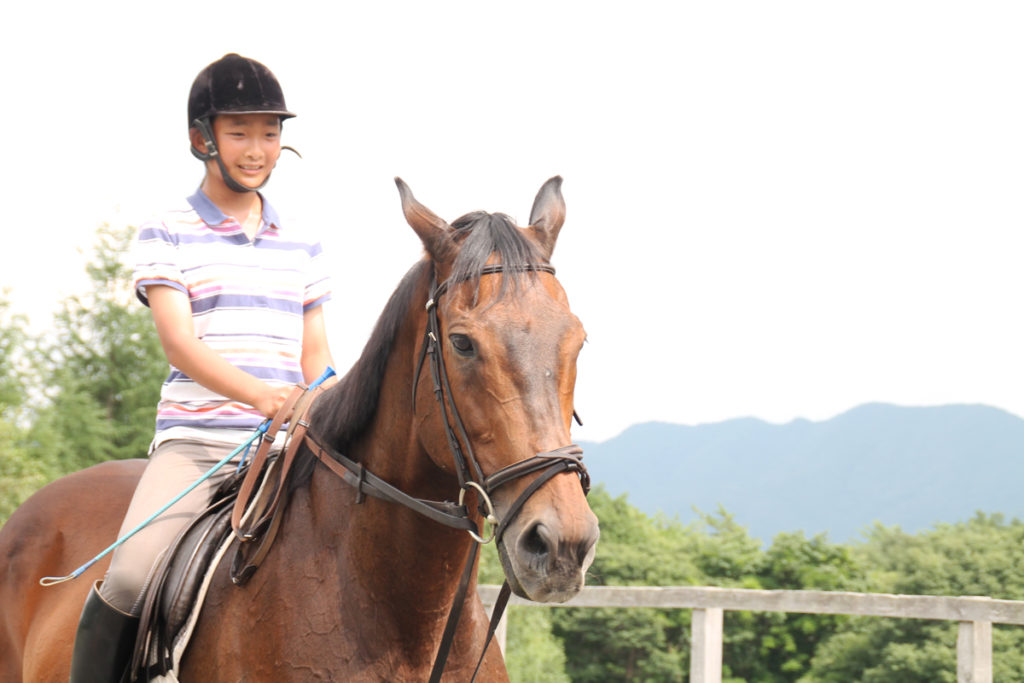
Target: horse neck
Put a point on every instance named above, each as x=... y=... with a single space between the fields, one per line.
x=403 y=559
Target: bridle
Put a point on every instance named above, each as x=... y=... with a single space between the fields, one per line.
x=470 y=476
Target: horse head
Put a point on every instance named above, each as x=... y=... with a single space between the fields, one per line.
x=498 y=414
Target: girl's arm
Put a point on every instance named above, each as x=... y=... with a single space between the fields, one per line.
x=316 y=354
x=172 y=315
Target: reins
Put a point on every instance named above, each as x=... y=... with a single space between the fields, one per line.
x=263 y=433
x=469 y=473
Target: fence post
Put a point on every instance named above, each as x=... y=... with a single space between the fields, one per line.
x=706 y=647
x=974 y=652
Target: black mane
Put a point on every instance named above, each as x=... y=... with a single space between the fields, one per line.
x=345 y=411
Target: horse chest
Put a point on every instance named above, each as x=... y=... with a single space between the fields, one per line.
x=300 y=625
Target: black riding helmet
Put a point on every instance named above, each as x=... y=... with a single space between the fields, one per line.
x=232 y=85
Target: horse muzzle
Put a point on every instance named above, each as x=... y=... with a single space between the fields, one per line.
x=546 y=553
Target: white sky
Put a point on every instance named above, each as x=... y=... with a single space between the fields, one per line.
x=778 y=209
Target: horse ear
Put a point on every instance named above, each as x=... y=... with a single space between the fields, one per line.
x=432 y=230
x=548 y=214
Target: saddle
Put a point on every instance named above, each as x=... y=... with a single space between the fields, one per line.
x=174 y=595
x=245 y=513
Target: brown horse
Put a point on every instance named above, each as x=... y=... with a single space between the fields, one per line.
x=361 y=590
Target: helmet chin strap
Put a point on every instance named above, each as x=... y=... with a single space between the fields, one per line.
x=204 y=128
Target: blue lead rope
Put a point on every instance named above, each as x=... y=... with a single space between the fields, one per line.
x=260 y=431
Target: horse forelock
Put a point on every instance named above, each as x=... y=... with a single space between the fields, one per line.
x=484 y=236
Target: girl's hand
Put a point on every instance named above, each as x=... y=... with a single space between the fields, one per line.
x=271 y=401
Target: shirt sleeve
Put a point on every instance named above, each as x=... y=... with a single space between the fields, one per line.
x=318 y=283
x=155 y=260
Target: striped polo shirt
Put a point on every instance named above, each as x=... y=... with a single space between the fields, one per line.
x=248 y=299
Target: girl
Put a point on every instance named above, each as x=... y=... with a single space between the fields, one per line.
x=236 y=297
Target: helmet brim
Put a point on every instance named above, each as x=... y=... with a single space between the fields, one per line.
x=276 y=112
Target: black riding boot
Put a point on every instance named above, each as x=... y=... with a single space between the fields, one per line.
x=103 y=643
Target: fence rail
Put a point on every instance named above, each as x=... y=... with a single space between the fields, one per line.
x=975 y=614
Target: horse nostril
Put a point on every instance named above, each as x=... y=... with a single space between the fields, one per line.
x=535 y=541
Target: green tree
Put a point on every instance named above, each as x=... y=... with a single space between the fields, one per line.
x=653 y=645
x=534 y=654
x=978 y=557
x=20 y=474
x=725 y=553
x=13 y=337
x=632 y=644
x=874 y=650
x=103 y=368
x=773 y=647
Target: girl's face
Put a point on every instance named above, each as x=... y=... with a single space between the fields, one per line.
x=249 y=145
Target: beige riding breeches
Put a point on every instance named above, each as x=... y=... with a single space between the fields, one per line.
x=172 y=467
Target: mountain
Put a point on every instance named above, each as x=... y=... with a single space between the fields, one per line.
x=906 y=466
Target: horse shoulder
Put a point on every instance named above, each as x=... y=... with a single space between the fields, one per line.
x=288 y=622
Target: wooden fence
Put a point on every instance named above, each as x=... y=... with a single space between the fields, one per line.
x=974 y=614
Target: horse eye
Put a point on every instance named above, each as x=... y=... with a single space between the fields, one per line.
x=462 y=344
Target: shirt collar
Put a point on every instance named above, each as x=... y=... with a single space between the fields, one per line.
x=212 y=215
